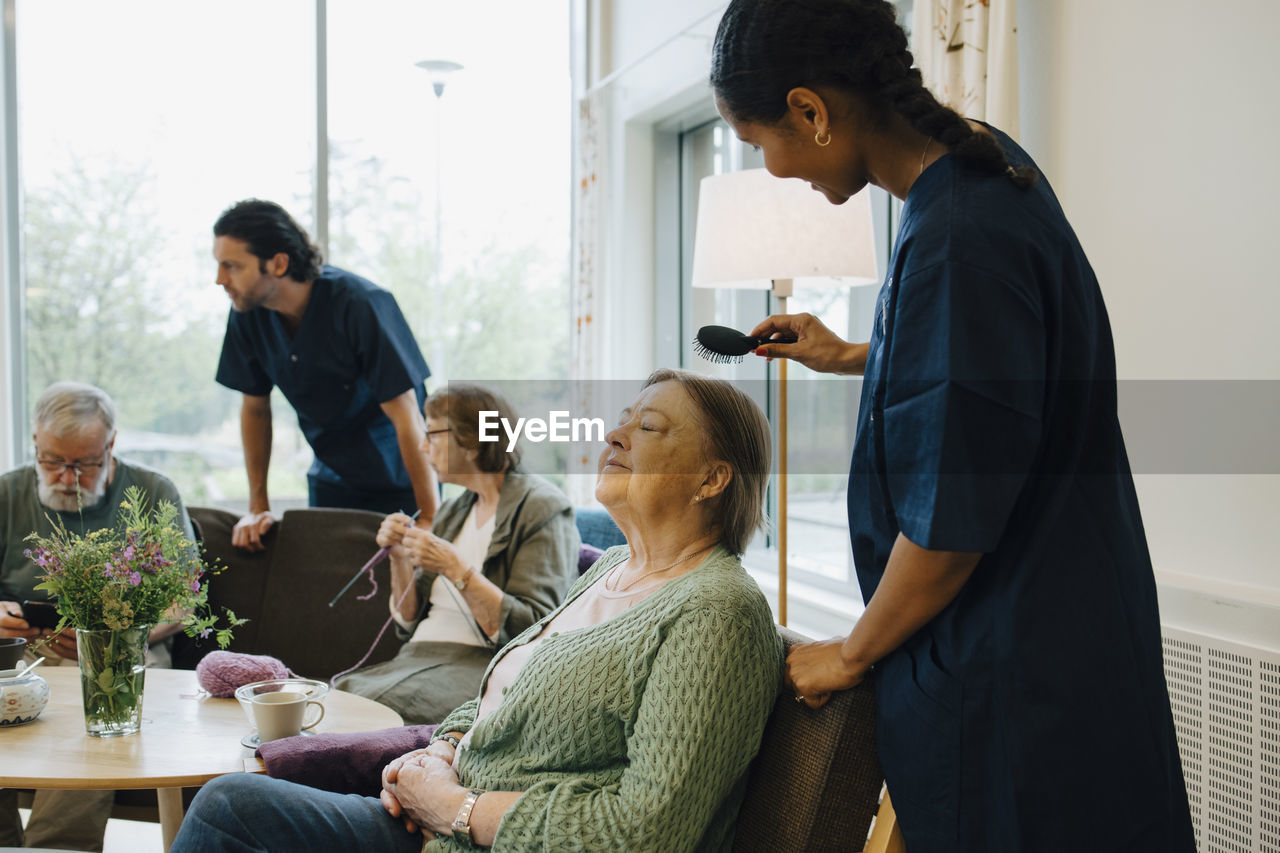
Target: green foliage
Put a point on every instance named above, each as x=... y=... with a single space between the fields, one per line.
x=503 y=312
x=510 y=328
x=99 y=310
x=141 y=572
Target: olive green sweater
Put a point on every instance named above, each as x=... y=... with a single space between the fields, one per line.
x=634 y=734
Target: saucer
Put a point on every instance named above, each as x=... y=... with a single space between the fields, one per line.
x=251 y=740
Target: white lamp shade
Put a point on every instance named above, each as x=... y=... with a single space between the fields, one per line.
x=754 y=228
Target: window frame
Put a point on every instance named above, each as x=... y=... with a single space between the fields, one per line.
x=817 y=604
x=13 y=407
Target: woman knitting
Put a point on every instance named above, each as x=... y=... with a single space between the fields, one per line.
x=497 y=558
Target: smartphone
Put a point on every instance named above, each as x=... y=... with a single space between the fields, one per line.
x=40 y=614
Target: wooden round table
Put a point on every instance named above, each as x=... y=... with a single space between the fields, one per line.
x=187 y=738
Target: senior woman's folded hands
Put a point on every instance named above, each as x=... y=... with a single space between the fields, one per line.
x=416 y=785
x=422 y=789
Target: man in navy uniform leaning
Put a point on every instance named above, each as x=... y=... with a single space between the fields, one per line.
x=339 y=349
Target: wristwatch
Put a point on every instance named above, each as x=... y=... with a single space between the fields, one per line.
x=462 y=823
x=461 y=583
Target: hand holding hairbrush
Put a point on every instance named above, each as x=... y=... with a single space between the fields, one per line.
x=724 y=345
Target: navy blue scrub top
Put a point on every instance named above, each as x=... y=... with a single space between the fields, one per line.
x=1032 y=713
x=352 y=352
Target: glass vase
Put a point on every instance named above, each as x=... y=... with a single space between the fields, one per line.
x=112 y=674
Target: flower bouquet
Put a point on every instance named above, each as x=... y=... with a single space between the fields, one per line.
x=113 y=585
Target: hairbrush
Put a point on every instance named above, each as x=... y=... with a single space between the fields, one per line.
x=724 y=345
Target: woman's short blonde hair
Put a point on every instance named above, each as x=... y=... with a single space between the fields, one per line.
x=737 y=432
x=460 y=404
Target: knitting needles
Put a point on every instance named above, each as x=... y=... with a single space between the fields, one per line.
x=368 y=567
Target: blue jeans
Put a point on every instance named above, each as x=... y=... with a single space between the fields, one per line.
x=245 y=811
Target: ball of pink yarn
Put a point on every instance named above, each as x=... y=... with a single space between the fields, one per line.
x=222 y=672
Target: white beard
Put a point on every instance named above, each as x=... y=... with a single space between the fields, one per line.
x=53 y=496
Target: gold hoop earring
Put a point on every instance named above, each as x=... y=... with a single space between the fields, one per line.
x=817 y=137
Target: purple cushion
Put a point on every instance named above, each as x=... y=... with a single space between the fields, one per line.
x=587 y=556
x=346 y=763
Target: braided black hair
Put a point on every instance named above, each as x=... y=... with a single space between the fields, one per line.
x=766 y=48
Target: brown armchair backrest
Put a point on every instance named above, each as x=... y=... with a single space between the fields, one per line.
x=815 y=785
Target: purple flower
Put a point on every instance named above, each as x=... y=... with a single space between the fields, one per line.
x=134 y=578
x=195 y=585
x=43 y=559
x=205 y=633
x=130 y=552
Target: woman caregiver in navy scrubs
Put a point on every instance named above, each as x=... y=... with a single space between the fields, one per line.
x=1011 y=607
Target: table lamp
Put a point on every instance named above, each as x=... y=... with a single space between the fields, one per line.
x=761 y=232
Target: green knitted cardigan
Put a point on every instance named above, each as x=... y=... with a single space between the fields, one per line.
x=634 y=734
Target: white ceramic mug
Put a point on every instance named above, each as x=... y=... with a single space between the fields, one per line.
x=280 y=714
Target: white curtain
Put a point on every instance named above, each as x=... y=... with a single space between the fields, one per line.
x=967 y=51
x=588 y=273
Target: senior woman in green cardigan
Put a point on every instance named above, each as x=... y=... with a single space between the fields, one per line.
x=625 y=719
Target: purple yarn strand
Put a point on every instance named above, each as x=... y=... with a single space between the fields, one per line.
x=378 y=557
x=381 y=631
x=368 y=567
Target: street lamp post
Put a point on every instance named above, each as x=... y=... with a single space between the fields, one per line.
x=440 y=71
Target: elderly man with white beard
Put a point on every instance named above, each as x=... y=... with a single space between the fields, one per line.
x=78 y=482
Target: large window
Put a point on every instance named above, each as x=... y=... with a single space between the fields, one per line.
x=138 y=125
x=823 y=593
x=490 y=299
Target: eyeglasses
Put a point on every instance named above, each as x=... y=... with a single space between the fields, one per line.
x=80 y=466
x=432 y=432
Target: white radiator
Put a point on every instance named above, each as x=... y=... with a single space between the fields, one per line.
x=1226 y=708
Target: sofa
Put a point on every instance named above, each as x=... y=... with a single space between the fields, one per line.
x=285 y=589
x=815 y=786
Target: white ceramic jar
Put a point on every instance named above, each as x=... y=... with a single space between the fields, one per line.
x=23 y=696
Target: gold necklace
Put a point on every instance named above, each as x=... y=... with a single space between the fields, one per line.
x=927 y=143
x=618 y=573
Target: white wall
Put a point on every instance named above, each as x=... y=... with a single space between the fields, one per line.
x=1156 y=123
